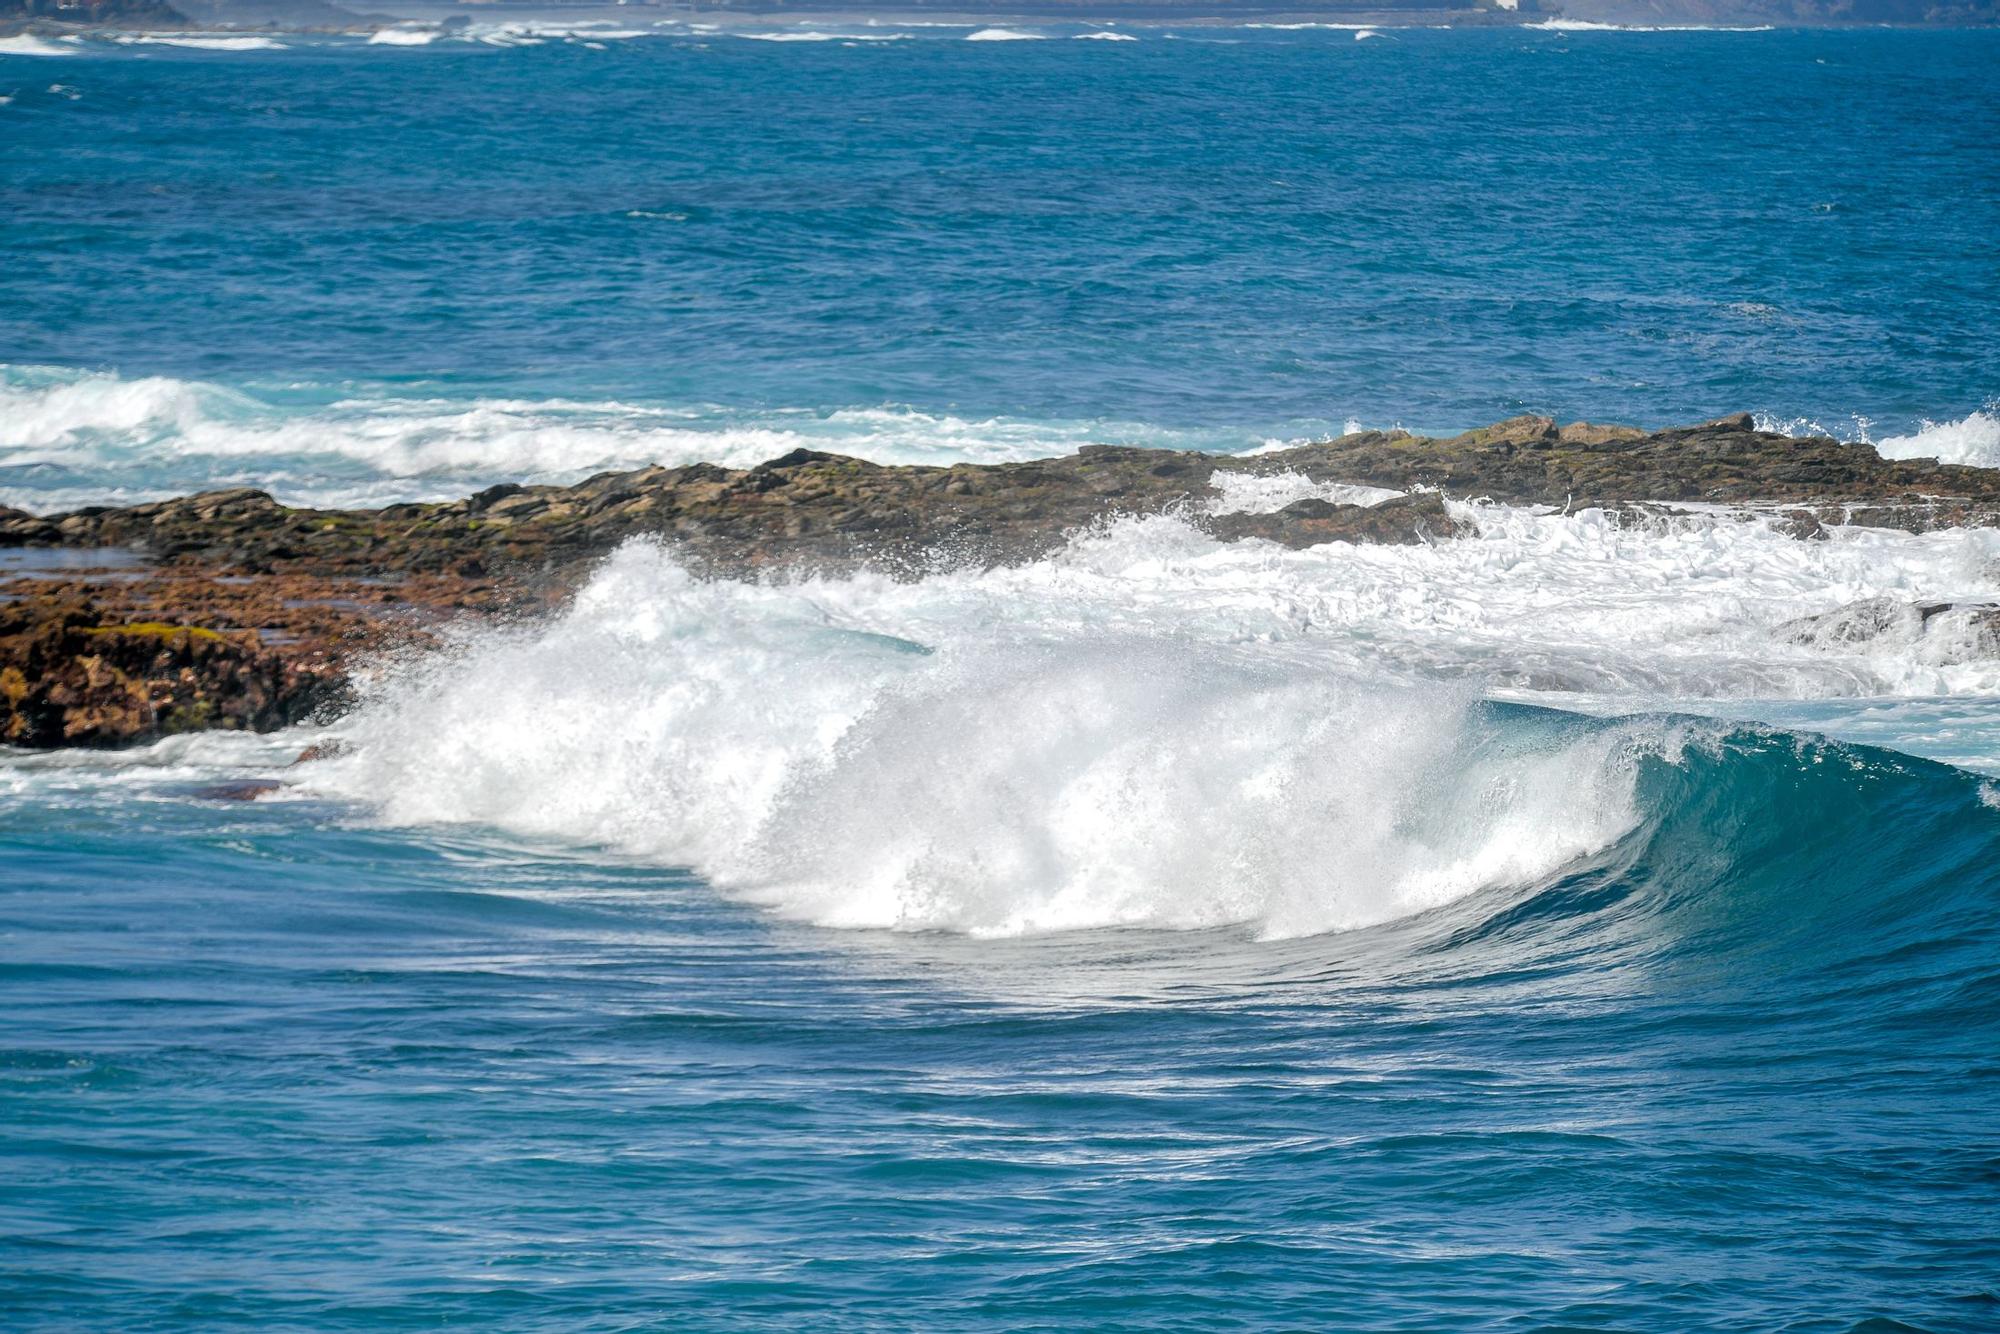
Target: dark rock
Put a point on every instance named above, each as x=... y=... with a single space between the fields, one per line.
x=248 y=789
x=482 y=501
x=1309 y=523
x=315 y=595
x=70 y=677
x=1804 y=525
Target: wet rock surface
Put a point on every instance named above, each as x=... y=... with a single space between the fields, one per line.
x=1955 y=631
x=70 y=674
x=245 y=613
x=1309 y=523
x=1533 y=461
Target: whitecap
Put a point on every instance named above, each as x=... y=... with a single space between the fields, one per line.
x=1972 y=439
x=1004 y=35
x=101 y=436
x=27 y=44
x=859 y=754
x=207 y=43
x=403 y=36
x=1586 y=25
x=1149 y=727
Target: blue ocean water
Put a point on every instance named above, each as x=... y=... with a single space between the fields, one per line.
x=1165 y=935
x=418 y=258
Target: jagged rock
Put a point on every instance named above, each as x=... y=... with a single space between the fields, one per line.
x=1311 y=522
x=69 y=676
x=327 y=583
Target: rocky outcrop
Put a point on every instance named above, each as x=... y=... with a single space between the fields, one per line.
x=250 y=613
x=815 y=509
x=1531 y=460
x=70 y=675
x=1310 y=523
x=124 y=654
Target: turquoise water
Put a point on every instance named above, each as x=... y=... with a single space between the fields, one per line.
x=367 y=271
x=1165 y=935
x=267 y=1069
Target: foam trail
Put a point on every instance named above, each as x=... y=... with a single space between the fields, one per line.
x=1004 y=35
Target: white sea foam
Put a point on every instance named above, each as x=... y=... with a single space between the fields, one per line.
x=70 y=438
x=1102 y=36
x=206 y=42
x=403 y=36
x=799 y=753
x=1004 y=35
x=27 y=44
x=1151 y=727
x=1266 y=493
x=816 y=36
x=1973 y=439
x=1586 y=25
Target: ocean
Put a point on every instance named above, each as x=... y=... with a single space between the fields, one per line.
x=1542 y=930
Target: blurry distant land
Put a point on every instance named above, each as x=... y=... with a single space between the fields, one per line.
x=324 y=15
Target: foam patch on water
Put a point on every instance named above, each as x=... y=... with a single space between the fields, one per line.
x=208 y=42
x=403 y=36
x=1004 y=35
x=70 y=438
x=27 y=44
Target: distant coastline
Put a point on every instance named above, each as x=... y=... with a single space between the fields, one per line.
x=60 y=17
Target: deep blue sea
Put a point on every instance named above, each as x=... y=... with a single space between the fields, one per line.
x=1551 y=929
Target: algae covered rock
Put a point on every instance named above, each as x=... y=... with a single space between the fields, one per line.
x=67 y=678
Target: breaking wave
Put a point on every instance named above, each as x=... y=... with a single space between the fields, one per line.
x=857 y=778
x=1973 y=439
x=1150 y=728
x=71 y=438
x=26 y=44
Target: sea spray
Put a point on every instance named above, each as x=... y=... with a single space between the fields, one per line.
x=989 y=782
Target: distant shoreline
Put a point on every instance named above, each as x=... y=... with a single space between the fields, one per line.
x=1141 y=15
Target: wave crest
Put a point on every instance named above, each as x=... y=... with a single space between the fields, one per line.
x=984 y=784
